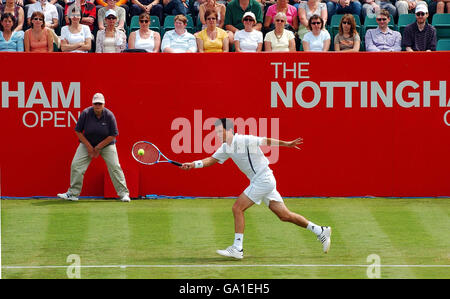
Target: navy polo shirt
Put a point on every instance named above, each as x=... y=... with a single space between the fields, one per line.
x=419 y=40
x=97 y=129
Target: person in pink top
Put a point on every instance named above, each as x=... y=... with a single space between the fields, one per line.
x=281 y=6
x=38 y=38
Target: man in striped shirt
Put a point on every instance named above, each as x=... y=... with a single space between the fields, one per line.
x=420 y=36
x=246 y=153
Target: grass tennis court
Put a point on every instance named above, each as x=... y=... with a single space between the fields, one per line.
x=177 y=238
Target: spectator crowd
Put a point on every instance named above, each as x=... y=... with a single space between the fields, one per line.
x=106 y=26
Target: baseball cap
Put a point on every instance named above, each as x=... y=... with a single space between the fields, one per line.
x=98 y=98
x=110 y=12
x=249 y=14
x=421 y=8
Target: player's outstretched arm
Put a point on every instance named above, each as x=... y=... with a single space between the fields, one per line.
x=294 y=143
x=199 y=163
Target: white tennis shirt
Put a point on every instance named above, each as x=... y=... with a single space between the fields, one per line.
x=246 y=153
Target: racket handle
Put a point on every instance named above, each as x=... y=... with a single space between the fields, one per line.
x=175 y=163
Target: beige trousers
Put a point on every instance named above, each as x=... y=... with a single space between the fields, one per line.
x=81 y=161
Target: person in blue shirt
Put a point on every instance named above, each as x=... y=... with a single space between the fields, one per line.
x=10 y=40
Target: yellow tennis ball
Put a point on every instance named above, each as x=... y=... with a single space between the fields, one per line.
x=141 y=152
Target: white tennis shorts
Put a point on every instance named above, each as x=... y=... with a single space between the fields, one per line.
x=263 y=189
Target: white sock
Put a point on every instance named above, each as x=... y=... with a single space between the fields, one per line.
x=317 y=229
x=238 y=239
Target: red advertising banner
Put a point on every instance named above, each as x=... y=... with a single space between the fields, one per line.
x=373 y=124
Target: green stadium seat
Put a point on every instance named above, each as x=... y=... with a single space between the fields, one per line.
x=442 y=24
x=155 y=25
x=443 y=45
x=404 y=20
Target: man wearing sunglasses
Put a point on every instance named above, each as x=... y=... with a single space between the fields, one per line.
x=420 y=36
x=382 y=38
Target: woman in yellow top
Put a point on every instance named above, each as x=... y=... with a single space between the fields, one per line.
x=212 y=38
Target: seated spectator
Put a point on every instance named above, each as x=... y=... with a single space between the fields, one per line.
x=120 y=18
x=88 y=12
x=11 y=7
x=151 y=7
x=111 y=39
x=408 y=6
x=317 y=39
x=289 y=10
x=38 y=38
x=10 y=40
x=420 y=36
x=342 y=7
x=212 y=38
x=383 y=38
x=248 y=39
x=370 y=7
x=234 y=14
x=179 y=40
x=306 y=10
x=218 y=7
x=175 y=7
x=440 y=6
x=49 y=10
x=347 y=40
x=144 y=38
x=76 y=37
x=279 y=39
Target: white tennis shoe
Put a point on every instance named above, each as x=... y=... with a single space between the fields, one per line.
x=325 y=238
x=125 y=198
x=232 y=252
x=67 y=196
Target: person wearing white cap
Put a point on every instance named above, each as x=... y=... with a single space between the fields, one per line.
x=248 y=39
x=408 y=6
x=96 y=130
x=420 y=36
x=111 y=39
x=112 y=8
x=234 y=13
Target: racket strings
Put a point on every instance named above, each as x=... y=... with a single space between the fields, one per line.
x=151 y=154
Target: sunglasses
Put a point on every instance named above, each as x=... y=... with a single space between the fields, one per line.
x=248 y=20
x=144 y=21
x=98 y=104
x=420 y=14
x=111 y=18
x=381 y=19
x=280 y=21
x=38 y=19
x=316 y=23
x=346 y=23
x=211 y=19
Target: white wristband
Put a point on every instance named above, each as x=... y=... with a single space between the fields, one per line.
x=198 y=164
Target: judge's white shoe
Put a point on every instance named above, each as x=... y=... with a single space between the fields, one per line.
x=125 y=198
x=67 y=196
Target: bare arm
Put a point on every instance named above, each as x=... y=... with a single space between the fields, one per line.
x=275 y=142
x=205 y=162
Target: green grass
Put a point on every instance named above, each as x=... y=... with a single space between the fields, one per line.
x=188 y=232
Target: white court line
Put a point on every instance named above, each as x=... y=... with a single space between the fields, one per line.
x=220 y=266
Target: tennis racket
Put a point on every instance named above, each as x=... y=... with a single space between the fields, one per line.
x=147 y=153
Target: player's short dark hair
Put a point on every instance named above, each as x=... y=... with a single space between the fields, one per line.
x=226 y=123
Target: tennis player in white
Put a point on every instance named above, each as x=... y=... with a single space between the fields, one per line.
x=246 y=153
